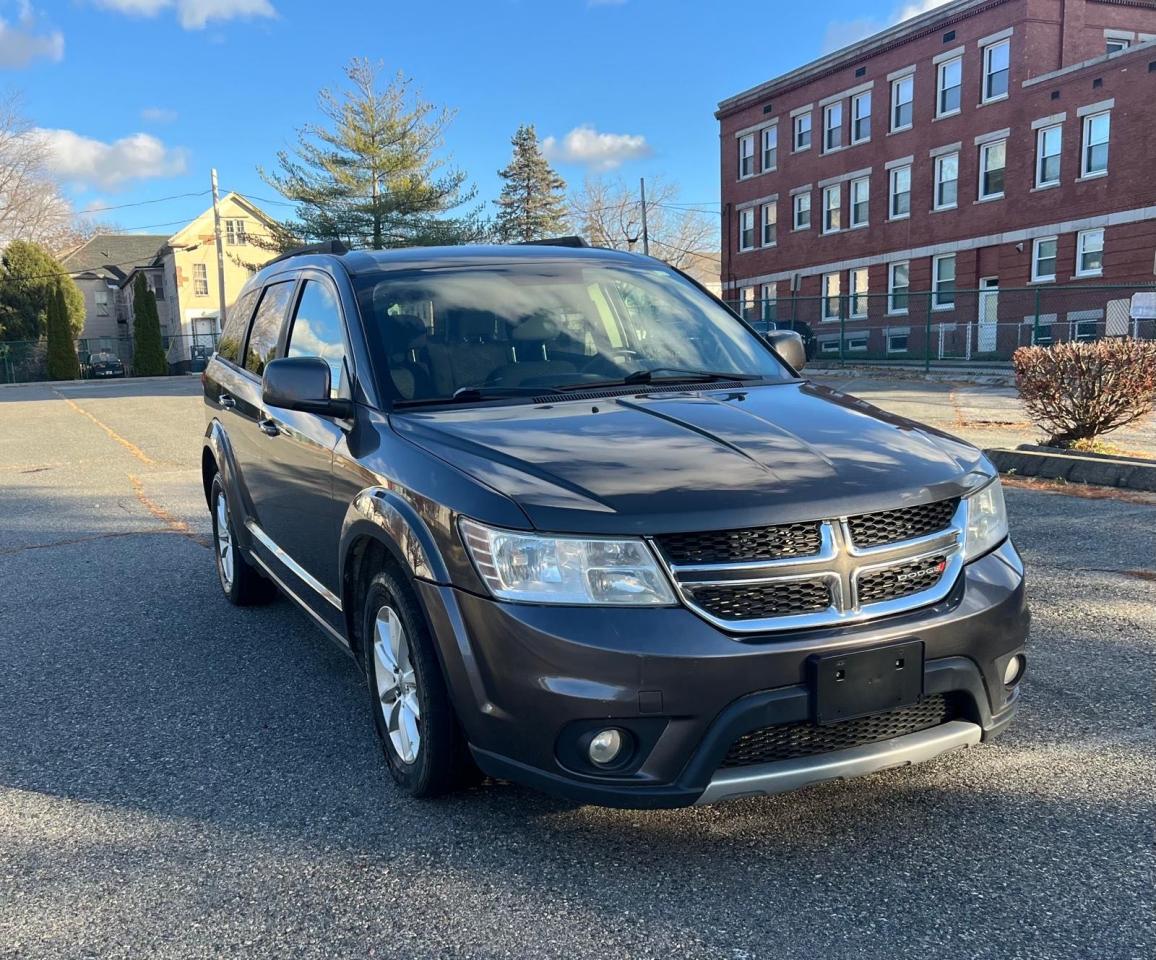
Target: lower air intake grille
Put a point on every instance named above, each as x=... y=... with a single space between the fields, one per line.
x=757 y=601
x=901 y=580
x=792 y=740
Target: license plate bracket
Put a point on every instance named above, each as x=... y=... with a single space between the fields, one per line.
x=849 y=685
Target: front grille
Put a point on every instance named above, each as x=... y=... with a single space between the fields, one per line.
x=901 y=580
x=792 y=740
x=891 y=526
x=761 y=600
x=738 y=546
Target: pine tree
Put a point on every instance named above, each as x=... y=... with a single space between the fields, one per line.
x=532 y=204
x=371 y=175
x=29 y=280
x=148 y=354
x=62 y=361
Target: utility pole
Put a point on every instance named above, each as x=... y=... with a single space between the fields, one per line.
x=645 y=234
x=220 y=250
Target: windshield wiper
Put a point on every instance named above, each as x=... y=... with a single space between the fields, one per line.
x=475 y=394
x=676 y=374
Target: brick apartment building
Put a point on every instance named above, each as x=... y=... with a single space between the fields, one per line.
x=989 y=152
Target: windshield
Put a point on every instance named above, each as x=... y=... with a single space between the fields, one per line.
x=511 y=328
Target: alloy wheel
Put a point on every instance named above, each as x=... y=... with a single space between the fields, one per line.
x=396 y=684
x=224 y=542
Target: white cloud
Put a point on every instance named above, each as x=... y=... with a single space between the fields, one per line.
x=194 y=14
x=600 y=151
x=87 y=162
x=158 y=115
x=21 y=44
x=843 y=33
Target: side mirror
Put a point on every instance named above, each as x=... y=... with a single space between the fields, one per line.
x=789 y=346
x=302 y=383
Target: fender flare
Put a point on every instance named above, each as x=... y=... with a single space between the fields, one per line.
x=384 y=515
x=221 y=450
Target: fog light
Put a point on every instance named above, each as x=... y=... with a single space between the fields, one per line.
x=605 y=746
x=1013 y=670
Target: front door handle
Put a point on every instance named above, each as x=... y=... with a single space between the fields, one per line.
x=226 y=401
x=269 y=427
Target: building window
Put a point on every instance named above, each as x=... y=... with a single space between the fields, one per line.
x=747 y=229
x=770 y=224
x=1115 y=42
x=101 y=298
x=943 y=281
x=1044 y=259
x=996 y=69
x=831 y=291
x=747 y=303
x=992 y=159
x=1049 y=141
x=802 y=132
x=860 y=201
x=829 y=345
x=770 y=148
x=200 y=280
x=235 y=233
x=857 y=288
x=157 y=285
x=832 y=204
x=746 y=156
x=1095 y=152
x=856 y=341
x=833 y=126
x=898 y=285
x=769 y=303
x=1086 y=330
x=897 y=342
x=902 y=98
x=900 y=193
x=802 y=211
x=861 y=117
x=946 y=181
x=1090 y=252
x=948 y=87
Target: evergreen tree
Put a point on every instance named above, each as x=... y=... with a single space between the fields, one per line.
x=62 y=361
x=532 y=204
x=148 y=354
x=370 y=176
x=29 y=280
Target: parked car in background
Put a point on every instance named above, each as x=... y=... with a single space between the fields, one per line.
x=105 y=364
x=585 y=529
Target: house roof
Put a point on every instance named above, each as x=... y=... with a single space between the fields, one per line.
x=114 y=255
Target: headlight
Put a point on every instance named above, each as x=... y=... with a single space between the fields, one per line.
x=986 y=521
x=543 y=569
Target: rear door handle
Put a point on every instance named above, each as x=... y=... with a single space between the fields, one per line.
x=226 y=401
x=269 y=427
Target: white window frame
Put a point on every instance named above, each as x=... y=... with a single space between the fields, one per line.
x=1081 y=239
x=1041 y=137
x=100 y=297
x=987 y=71
x=828 y=296
x=1038 y=277
x=829 y=345
x=745 y=215
x=858 y=299
x=893 y=310
x=905 y=334
x=896 y=86
x=857 y=184
x=832 y=215
x=747 y=302
x=235 y=233
x=936 y=303
x=771 y=208
x=833 y=134
x=940 y=90
x=746 y=156
x=983 y=169
x=767 y=133
x=1085 y=172
x=864 y=335
x=200 y=280
x=796 y=207
x=857 y=118
x=797 y=132
x=939 y=181
x=892 y=193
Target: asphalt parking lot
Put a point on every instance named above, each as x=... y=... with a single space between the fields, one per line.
x=180 y=778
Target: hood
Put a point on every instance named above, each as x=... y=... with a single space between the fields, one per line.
x=699 y=460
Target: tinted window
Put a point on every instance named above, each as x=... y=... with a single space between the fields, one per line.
x=229 y=347
x=317 y=332
x=267 y=326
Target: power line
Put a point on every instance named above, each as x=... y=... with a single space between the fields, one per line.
x=141 y=203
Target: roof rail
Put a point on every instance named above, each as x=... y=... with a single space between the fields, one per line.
x=554 y=242
x=334 y=247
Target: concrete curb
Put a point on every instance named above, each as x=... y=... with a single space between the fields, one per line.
x=93 y=381
x=1127 y=473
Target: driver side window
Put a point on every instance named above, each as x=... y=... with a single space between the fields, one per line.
x=318 y=331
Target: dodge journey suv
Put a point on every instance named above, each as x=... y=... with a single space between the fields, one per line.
x=584 y=529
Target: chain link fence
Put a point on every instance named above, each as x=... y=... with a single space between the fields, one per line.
x=26 y=361
x=948 y=326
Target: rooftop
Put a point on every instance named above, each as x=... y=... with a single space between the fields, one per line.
x=114 y=255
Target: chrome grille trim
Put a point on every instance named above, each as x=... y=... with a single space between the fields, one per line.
x=838 y=561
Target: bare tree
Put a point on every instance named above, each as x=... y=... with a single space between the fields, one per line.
x=31 y=205
x=609 y=214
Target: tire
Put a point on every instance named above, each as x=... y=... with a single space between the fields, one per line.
x=408 y=694
x=240 y=581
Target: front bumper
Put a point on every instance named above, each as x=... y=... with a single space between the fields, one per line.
x=527 y=680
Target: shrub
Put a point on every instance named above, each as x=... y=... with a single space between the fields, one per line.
x=62 y=361
x=148 y=355
x=1077 y=391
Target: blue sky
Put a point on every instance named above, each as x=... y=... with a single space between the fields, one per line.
x=142 y=97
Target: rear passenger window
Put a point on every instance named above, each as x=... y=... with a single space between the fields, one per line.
x=317 y=332
x=229 y=346
x=267 y=326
